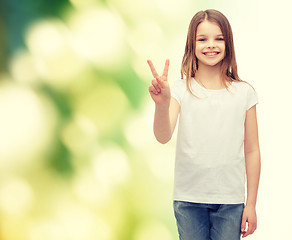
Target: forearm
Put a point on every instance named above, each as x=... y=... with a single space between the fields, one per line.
x=162 y=126
x=253 y=168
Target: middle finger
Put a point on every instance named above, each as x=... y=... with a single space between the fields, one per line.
x=166 y=67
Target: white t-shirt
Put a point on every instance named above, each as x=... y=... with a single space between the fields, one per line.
x=210 y=161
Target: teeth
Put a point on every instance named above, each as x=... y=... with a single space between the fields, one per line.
x=211 y=53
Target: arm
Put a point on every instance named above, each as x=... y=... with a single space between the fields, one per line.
x=253 y=165
x=166 y=107
x=165 y=119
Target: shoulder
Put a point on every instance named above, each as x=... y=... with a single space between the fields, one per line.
x=179 y=85
x=243 y=85
x=248 y=92
x=178 y=89
x=179 y=82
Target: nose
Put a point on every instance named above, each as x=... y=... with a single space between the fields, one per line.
x=211 y=44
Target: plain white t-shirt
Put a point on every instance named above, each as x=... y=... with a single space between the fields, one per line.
x=210 y=161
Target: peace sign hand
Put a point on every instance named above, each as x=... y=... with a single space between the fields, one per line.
x=159 y=89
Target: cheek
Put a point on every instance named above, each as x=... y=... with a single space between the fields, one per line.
x=224 y=47
x=198 y=48
x=197 y=51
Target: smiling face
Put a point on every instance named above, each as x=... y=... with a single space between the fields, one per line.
x=210 y=44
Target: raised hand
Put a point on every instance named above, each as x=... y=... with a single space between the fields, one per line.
x=159 y=89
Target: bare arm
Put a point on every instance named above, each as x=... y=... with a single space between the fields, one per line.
x=253 y=165
x=166 y=107
x=165 y=119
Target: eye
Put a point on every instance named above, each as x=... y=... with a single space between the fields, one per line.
x=202 y=39
x=220 y=39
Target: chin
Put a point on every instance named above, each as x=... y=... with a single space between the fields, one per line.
x=211 y=64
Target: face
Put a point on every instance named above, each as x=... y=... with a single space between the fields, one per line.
x=210 y=44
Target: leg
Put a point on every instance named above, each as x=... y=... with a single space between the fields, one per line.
x=226 y=222
x=192 y=220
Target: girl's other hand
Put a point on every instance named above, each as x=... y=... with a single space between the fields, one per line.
x=249 y=218
x=159 y=89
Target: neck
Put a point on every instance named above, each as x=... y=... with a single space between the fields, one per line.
x=209 y=74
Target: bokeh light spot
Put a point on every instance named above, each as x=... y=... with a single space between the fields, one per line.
x=51 y=44
x=80 y=135
x=26 y=125
x=111 y=166
x=16 y=196
x=99 y=36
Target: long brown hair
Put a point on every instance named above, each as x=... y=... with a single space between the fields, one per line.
x=190 y=62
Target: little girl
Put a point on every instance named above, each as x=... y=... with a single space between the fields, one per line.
x=217 y=142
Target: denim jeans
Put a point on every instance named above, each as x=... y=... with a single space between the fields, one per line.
x=200 y=221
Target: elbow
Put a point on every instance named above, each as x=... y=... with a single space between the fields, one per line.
x=163 y=140
x=254 y=151
x=253 y=157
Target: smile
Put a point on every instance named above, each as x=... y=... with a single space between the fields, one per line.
x=211 y=53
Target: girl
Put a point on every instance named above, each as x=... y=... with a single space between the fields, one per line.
x=217 y=142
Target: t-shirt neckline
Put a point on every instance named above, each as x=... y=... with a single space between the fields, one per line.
x=212 y=90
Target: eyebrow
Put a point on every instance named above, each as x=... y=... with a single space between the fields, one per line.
x=203 y=35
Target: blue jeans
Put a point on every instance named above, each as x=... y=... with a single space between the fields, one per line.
x=200 y=221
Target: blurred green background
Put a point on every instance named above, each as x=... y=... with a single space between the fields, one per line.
x=78 y=159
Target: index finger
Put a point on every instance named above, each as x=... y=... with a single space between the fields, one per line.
x=153 y=70
x=165 y=71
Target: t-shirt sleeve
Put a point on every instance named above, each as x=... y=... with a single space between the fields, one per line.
x=252 y=97
x=178 y=89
